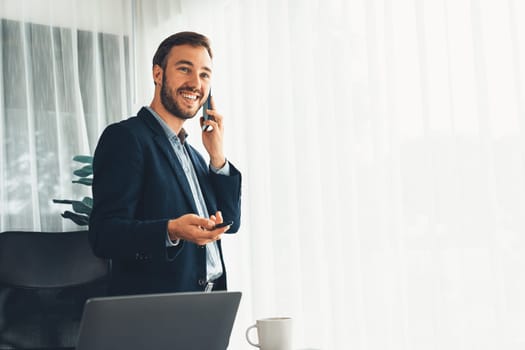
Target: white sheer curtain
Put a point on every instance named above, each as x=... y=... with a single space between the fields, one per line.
x=64 y=75
x=381 y=144
x=382 y=148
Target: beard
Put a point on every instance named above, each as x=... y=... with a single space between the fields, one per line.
x=168 y=101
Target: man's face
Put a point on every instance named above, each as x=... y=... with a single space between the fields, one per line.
x=186 y=80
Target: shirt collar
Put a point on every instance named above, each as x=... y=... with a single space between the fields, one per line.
x=170 y=134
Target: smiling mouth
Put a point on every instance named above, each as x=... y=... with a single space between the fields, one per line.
x=188 y=96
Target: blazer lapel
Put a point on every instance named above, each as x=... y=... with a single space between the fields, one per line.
x=202 y=173
x=165 y=147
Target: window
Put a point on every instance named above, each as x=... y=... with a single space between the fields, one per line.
x=60 y=87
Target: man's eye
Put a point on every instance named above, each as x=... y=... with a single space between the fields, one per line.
x=184 y=69
x=205 y=76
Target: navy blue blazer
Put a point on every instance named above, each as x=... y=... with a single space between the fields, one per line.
x=138 y=185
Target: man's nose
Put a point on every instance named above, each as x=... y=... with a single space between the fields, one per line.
x=194 y=81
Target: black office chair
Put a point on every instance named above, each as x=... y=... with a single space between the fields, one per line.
x=45 y=279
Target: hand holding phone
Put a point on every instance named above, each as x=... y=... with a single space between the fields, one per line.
x=205 y=107
x=223 y=224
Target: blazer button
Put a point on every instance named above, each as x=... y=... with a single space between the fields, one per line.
x=202 y=282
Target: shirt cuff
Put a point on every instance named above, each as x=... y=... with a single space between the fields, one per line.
x=170 y=243
x=225 y=170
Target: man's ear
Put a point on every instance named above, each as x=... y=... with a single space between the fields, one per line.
x=157 y=74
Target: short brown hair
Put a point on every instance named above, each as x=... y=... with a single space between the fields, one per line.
x=181 y=38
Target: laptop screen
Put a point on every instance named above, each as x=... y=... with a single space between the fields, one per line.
x=159 y=321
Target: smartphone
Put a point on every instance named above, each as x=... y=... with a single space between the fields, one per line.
x=223 y=224
x=205 y=107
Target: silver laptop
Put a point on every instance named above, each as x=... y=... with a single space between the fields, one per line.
x=185 y=321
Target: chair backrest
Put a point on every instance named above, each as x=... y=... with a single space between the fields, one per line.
x=48 y=259
x=45 y=278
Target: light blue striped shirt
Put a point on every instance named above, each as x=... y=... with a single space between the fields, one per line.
x=213 y=260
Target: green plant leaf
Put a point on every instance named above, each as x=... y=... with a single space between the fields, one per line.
x=83 y=159
x=80 y=207
x=81 y=220
x=84 y=181
x=88 y=201
x=84 y=171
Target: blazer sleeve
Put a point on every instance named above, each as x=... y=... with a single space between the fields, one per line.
x=228 y=192
x=118 y=172
x=223 y=192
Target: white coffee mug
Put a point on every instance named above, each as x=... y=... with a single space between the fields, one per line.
x=274 y=333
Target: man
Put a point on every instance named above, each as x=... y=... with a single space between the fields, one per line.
x=156 y=201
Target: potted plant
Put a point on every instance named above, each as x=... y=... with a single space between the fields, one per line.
x=81 y=208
